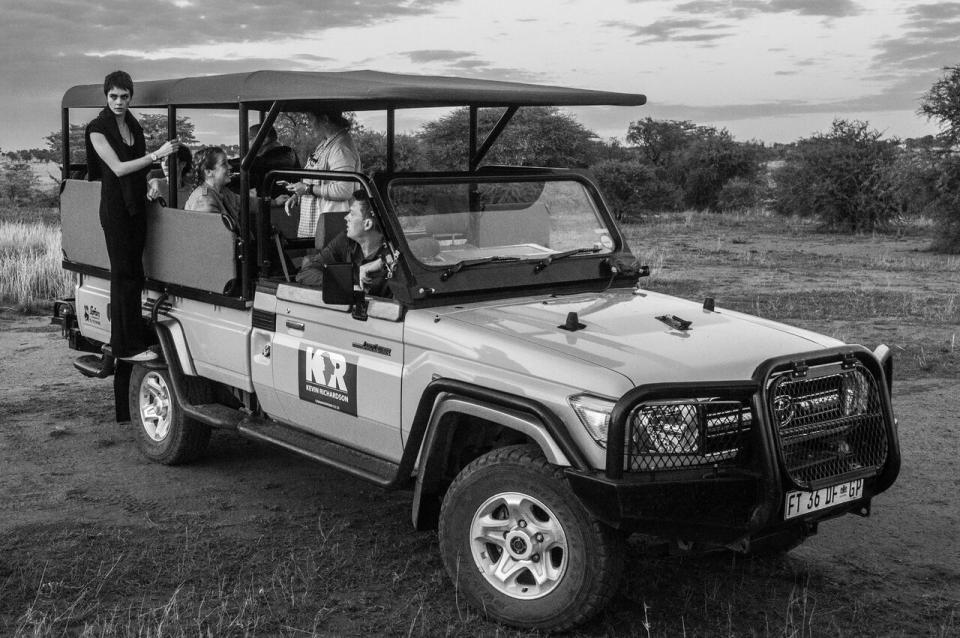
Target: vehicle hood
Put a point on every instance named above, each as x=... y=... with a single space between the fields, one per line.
x=622 y=333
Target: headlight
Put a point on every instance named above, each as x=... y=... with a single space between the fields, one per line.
x=855 y=393
x=594 y=413
x=667 y=428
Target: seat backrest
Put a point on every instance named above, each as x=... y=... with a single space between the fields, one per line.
x=184 y=247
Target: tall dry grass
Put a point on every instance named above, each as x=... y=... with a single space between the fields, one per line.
x=30 y=272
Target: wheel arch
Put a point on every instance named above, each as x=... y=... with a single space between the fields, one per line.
x=176 y=346
x=461 y=429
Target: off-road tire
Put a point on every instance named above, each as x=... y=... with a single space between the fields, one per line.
x=590 y=560
x=164 y=433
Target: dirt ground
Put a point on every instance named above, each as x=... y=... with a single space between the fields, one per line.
x=77 y=500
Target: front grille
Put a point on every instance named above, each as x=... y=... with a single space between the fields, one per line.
x=666 y=435
x=829 y=423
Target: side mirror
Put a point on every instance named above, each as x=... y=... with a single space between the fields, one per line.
x=338 y=284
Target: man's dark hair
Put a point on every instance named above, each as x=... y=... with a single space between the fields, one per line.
x=271 y=132
x=118 y=80
x=334 y=117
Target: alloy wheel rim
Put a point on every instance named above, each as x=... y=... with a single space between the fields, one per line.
x=155 y=406
x=519 y=545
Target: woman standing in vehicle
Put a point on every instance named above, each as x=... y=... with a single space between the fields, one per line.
x=324 y=203
x=117 y=156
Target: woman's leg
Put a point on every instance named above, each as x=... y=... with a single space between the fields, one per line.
x=126 y=238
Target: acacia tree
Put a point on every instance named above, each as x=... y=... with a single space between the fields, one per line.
x=696 y=161
x=535 y=136
x=942 y=103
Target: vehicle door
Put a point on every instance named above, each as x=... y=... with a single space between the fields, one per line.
x=335 y=374
x=338 y=376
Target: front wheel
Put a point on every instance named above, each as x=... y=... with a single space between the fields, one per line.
x=164 y=433
x=518 y=543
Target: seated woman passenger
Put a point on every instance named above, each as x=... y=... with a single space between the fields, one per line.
x=211 y=194
x=361 y=244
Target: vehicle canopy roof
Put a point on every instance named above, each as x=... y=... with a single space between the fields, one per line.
x=345 y=91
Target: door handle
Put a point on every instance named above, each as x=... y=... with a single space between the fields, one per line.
x=295 y=325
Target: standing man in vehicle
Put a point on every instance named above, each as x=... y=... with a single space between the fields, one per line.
x=116 y=155
x=322 y=203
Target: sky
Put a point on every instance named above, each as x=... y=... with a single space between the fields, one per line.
x=766 y=70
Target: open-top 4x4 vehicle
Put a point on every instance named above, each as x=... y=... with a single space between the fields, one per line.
x=539 y=403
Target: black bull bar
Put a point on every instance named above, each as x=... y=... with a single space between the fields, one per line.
x=727 y=502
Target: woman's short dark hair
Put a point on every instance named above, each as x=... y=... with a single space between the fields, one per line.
x=118 y=80
x=205 y=160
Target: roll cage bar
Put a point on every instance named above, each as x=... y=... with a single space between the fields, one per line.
x=272 y=92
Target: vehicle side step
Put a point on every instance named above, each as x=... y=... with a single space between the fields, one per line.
x=215 y=415
x=365 y=466
x=95 y=365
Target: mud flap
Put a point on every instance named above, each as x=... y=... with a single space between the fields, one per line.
x=121 y=384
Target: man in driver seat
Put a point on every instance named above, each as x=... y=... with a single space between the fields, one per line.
x=361 y=244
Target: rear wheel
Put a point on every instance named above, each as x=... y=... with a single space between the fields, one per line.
x=164 y=433
x=521 y=547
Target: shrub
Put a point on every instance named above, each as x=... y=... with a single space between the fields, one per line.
x=948 y=206
x=843 y=177
x=632 y=188
x=740 y=194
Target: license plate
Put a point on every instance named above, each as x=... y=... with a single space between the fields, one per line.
x=800 y=503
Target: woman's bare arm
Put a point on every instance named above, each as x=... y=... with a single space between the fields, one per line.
x=105 y=151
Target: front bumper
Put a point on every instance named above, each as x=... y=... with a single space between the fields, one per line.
x=742 y=497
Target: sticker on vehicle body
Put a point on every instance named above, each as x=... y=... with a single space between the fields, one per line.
x=327 y=379
x=91 y=315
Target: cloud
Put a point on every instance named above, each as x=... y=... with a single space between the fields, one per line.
x=48 y=46
x=744 y=8
x=930 y=40
x=825 y=8
x=423 y=56
x=675 y=29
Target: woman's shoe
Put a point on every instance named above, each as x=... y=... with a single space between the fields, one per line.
x=146 y=355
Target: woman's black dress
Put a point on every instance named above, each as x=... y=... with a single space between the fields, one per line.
x=123 y=204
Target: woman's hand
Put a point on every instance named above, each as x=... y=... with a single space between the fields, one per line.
x=169 y=148
x=153 y=189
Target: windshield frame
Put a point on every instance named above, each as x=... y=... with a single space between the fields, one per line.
x=499 y=278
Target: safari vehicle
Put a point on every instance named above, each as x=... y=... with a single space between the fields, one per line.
x=538 y=402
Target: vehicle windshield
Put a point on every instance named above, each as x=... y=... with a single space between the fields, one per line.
x=453 y=221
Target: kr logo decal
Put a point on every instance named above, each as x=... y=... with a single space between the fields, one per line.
x=328 y=379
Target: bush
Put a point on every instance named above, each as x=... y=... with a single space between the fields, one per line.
x=843 y=177
x=740 y=194
x=947 y=239
x=632 y=188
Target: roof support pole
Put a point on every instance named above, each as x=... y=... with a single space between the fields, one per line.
x=248 y=152
x=243 y=241
x=65 y=143
x=474 y=134
x=391 y=132
x=494 y=135
x=173 y=164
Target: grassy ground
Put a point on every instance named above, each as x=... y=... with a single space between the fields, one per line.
x=338 y=557
x=30 y=256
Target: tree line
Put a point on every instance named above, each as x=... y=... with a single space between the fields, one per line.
x=849 y=177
